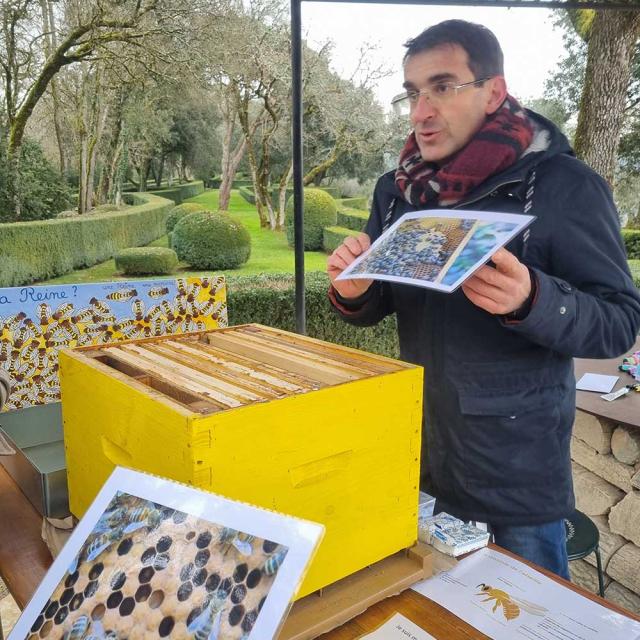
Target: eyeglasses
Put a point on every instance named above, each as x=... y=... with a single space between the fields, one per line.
x=437 y=94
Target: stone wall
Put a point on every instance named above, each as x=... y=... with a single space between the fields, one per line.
x=606 y=475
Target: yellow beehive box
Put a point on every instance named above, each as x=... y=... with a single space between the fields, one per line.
x=282 y=421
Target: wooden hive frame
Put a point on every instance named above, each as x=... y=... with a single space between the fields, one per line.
x=287 y=422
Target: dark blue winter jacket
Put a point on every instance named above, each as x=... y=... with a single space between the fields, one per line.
x=499 y=396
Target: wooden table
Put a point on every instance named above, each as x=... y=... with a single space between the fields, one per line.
x=24 y=559
x=625 y=410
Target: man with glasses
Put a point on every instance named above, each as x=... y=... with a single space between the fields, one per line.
x=499 y=393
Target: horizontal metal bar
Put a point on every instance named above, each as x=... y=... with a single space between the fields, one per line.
x=519 y=4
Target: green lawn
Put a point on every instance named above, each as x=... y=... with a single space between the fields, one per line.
x=270 y=252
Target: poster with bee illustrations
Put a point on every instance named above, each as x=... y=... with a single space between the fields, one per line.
x=505 y=598
x=437 y=249
x=153 y=558
x=37 y=321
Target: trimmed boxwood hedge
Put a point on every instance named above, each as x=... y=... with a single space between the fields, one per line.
x=320 y=211
x=211 y=240
x=40 y=250
x=180 y=211
x=634 y=267
x=333 y=237
x=631 y=239
x=353 y=219
x=181 y=191
x=270 y=300
x=140 y=261
x=355 y=203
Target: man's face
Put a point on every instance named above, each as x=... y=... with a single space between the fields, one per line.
x=443 y=129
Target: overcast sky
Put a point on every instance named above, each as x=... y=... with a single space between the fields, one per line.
x=531 y=45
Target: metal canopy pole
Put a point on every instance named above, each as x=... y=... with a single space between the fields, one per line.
x=298 y=212
x=296 y=72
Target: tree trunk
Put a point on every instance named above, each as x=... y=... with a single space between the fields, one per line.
x=321 y=169
x=611 y=48
x=282 y=195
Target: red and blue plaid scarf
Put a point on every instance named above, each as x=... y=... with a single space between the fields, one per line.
x=497 y=145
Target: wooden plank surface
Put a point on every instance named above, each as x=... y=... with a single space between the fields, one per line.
x=625 y=410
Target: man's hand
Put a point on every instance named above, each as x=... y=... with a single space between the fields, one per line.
x=341 y=258
x=500 y=290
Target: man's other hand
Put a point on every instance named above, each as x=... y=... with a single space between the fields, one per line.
x=502 y=289
x=341 y=258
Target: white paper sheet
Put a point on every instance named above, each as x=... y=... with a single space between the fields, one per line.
x=596 y=382
x=508 y=600
x=398 y=628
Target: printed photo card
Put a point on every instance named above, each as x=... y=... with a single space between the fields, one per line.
x=437 y=249
x=153 y=558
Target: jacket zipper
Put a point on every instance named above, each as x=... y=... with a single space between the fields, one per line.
x=488 y=193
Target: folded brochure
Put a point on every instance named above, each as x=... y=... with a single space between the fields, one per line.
x=438 y=248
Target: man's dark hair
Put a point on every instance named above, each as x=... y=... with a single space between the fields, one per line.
x=482 y=47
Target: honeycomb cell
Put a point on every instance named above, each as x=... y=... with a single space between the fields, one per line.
x=161 y=561
x=37 y=624
x=241 y=572
x=46 y=629
x=226 y=585
x=127 y=606
x=186 y=572
x=249 y=620
x=235 y=615
x=90 y=589
x=66 y=596
x=166 y=626
x=76 y=601
x=163 y=544
x=96 y=570
x=60 y=617
x=117 y=580
x=212 y=582
x=143 y=593
x=146 y=574
x=125 y=546
x=184 y=591
x=191 y=535
x=261 y=603
x=156 y=599
x=238 y=593
x=253 y=578
x=114 y=600
x=199 y=577
x=148 y=556
x=71 y=579
x=202 y=557
x=51 y=610
x=269 y=547
x=98 y=612
x=166 y=513
x=204 y=539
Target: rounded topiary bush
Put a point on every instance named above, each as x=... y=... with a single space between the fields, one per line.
x=320 y=211
x=208 y=240
x=139 y=261
x=181 y=211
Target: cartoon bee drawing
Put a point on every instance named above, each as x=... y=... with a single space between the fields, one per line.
x=137 y=306
x=158 y=292
x=157 y=327
x=63 y=312
x=99 y=306
x=181 y=283
x=122 y=295
x=510 y=606
x=84 y=315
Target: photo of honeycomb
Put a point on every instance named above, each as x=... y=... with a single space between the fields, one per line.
x=149 y=571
